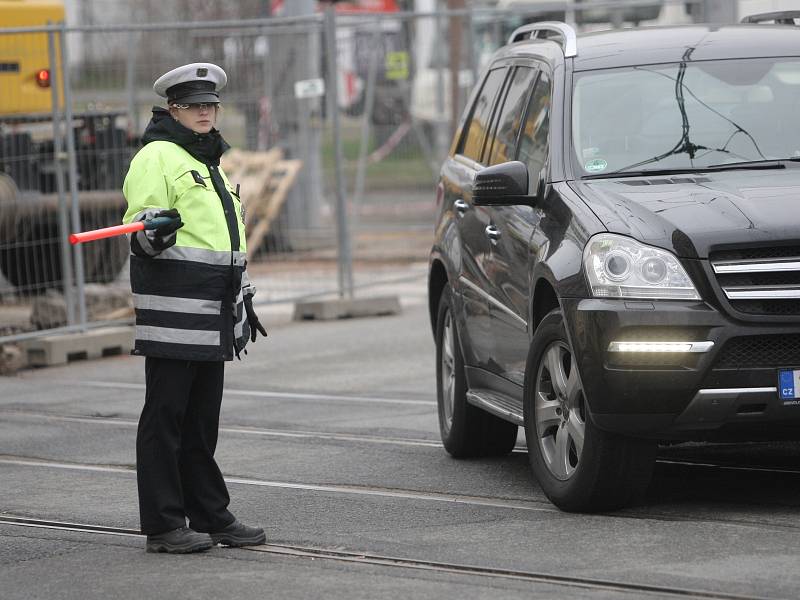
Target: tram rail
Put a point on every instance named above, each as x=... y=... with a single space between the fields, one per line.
x=532 y=505
x=359 y=438
x=371 y=559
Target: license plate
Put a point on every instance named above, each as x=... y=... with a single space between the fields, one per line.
x=789 y=386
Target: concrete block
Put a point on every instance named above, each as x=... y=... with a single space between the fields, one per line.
x=103 y=302
x=94 y=343
x=346 y=308
x=12 y=359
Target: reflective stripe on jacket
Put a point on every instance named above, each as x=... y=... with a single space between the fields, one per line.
x=189 y=297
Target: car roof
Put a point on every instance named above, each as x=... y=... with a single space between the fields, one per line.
x=654 y=45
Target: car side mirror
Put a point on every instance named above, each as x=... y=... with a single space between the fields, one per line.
x=505 y=184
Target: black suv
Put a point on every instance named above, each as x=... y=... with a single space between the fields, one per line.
x=617 y=251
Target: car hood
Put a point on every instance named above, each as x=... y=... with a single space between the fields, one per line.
x=692 y=215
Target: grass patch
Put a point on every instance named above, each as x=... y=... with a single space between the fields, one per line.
x=405 y=166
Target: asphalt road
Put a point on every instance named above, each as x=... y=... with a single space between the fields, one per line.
x=329 y=440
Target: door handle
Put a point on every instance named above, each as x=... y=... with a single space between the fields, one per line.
x=461 y=207
x=493 y=233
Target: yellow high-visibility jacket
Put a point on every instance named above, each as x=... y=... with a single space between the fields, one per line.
x=188 y=297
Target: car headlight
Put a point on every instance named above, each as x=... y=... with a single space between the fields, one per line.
x=620 y=267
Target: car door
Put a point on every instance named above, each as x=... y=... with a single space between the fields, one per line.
x=522 y=134
x=471 y=221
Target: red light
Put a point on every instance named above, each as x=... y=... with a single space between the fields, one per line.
x=43 y=78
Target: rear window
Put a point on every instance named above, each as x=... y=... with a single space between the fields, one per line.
x=533 y=142
x=481 y=114
x=503 y=145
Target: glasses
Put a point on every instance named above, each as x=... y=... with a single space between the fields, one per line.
x=197 y=107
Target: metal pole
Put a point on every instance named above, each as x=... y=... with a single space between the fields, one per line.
x=267 y=114
x=311 y=132
x=454 y=35
x=497 y=33
x=292 y=58
x=617 y=18
x=369 y=105
x=441 y=117
x=130 y=83
x=473 y=62
x=265 y=129
x=570 y=15
x=343 y=236
x=58 y=158
x=720 y=11
x=73 y=177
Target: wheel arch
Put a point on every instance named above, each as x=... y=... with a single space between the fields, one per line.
x=543 y=300
x=437 y=280
x=555 y=275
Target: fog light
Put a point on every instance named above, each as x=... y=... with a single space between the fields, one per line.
x=666 y=347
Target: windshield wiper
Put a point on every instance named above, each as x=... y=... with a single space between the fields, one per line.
x=685 y=145
x=755 y=164
x=746 y=164
x=643 y=173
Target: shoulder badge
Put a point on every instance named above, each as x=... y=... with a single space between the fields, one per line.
x=198 y=178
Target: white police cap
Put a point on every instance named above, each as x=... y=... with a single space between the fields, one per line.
x=194 y=83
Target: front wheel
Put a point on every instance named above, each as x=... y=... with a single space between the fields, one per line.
x=466 y=430
x=579 y=467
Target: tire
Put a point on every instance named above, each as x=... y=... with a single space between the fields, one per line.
x=103 y=260
x=20 y=159
x=466 y=430
x=31 y=260
x=579 y=467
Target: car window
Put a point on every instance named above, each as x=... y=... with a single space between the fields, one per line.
x=472 y=144
x=686 y=115
x=503 y=143
x=534 y=136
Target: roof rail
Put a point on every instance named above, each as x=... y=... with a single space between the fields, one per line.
x=534 y=30
x=786 y=17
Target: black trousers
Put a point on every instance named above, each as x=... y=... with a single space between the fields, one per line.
x=175 y=467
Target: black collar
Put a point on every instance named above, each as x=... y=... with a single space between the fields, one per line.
x=205 y=147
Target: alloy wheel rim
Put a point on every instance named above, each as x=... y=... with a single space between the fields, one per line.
x=559 y=409
x=448 y=371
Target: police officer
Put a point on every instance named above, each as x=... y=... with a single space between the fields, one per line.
x=194 y=311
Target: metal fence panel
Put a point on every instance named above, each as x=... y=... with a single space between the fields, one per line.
x=34 y=216
x=273 y=114
x=397 y=89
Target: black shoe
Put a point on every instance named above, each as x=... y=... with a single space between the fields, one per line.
x=238 y=534
x=179 y=541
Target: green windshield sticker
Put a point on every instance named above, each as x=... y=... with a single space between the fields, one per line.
x=595 y=165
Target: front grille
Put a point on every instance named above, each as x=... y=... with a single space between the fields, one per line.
x=760 y=281
x=756 y=253
x=780 y=308
x=651 y=360
x=760 y=351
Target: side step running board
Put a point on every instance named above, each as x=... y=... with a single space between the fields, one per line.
x=497 y=404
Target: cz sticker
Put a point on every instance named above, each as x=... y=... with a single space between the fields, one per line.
x=596 y=165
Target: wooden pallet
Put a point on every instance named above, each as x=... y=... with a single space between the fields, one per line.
x=265 y=179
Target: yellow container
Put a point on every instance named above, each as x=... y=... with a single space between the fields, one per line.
x=25 y=69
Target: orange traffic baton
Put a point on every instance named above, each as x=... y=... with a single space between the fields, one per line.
x=106 y=232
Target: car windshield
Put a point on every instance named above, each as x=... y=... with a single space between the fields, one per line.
x=686 y=115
